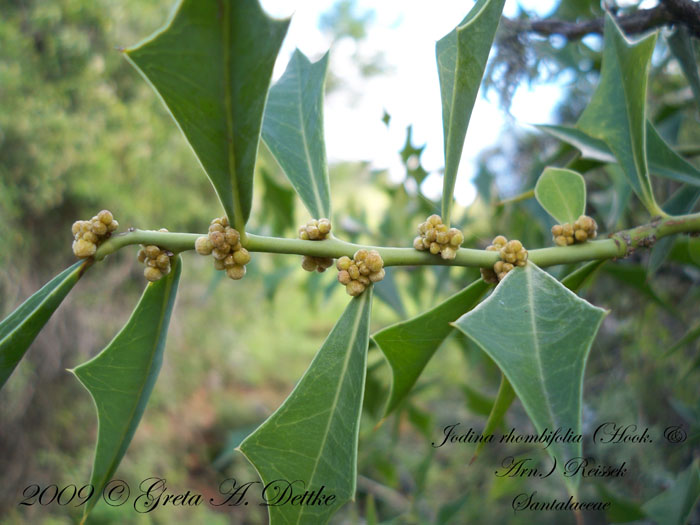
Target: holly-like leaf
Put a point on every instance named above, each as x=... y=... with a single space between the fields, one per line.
x=293 y=130
x=539 y=334
x=616 y=113
x=121 y=377
x=562 y=193
x=409 y=345
x=211 y=65
x=461 y=58
x=20 y=328
x=313 y=436
x=674 y=505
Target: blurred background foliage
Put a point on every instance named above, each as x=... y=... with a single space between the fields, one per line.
x=80 y=131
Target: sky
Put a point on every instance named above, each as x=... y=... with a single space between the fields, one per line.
x=406 y=32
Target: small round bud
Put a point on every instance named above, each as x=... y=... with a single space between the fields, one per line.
x=434 y=248
x=236 y=272
x=75 y=229
x=220 y=255
x=364 y=269
x=307 y=263
x=83 y=248
x=418 y=243
x=112 y=226
x=557 y=230
x=423 y=227
x=434 y=220
x=216 y=227
x=488 y=275
x=441 y=228
x=581 y=236
x=105 y=217
x=163 y=261
x=426 y=243
x=374 y=261
x=355 y=288
x=375 y=277
x=500 y=240
x=228 y=262
x=224 y=221
x=313 y=232
x=152 y=251
x=431 y=235
x=217 y=220
x=141 y=255
x=219 y=264
x=360 y=255
x=448 y=253
x=232 y=236
x=522 y=255
x=569 y=239
x=203 y=245
x=324 y=226
x=354 y=271
x=364 y=280
x=514 y=246
x=498 y=267
x=217 y=239
x=324 y=262
x=152 y=274
x=166 y=270
x=90 y=237
x=456 y=237
x=343 y=277
x=567 y=230
x=241 y=256
x=151 y=262
x=343 y=263
x=560 y=240
x=99 y=228
x=442 y=238
x=304 y=235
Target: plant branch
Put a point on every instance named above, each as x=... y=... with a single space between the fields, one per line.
x=619 y=244
x=669 y=12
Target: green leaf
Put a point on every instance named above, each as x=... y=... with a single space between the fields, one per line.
x=211 y=65
x=278 y=204
x=121 y=377
x=539 y=334
x=293 y=130
x=681 y=46
x=388 y=292
x=616 y=113
x=674 y=505
x=621 y=510
x=574 y=281
x=313 y=436
x=562 y=193
x=409 y=345
x=18 y=330
x=663 y=160
x=461 y=58
x=689 y=337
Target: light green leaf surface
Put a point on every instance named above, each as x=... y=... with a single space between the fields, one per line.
x=674 y=505
x=409 y=345
x=293 y=130
x=539 y=334
x=574 y=282
x=461 y=59
x=211 y=65
x=616 y=113
x=313 y=436
x=18 y=330
x=121 y=377
x=562 y=193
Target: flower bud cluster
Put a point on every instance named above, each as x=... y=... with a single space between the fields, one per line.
x=512 y=254
x=357 y=273
x=583 y=229
x=438 y=238
x=88 y=235
x=156 y=259
x=224 y=244
x=315 y=230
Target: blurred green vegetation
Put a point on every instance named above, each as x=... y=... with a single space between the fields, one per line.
x=80 y=131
